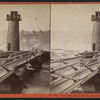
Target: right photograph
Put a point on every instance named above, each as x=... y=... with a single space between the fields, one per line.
x=75 y=48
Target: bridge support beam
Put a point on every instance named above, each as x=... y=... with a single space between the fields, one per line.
x=91 y=86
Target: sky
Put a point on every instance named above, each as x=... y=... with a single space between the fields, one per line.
x=71 y=26
x=29 y=13
x=34 y=17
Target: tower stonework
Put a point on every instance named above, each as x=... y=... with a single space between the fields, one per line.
x=13 y=31
x=96 y=32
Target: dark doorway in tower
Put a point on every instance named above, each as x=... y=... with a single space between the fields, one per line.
x=9 y=46
x=94 y=46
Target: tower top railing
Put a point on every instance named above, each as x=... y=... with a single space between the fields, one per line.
x=96 y=17
x=13 y=16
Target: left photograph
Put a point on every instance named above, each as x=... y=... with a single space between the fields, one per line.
x=24 y=48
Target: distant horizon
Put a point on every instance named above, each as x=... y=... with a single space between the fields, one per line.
x=3 y=37
x=69 y=49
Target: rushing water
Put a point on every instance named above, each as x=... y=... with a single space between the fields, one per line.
x=27 y=81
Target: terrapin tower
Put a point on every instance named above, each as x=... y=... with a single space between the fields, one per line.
x=13 y=31
x=96 y=31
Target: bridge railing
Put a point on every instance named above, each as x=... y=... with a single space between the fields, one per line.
x=18 y=58
x=12 y=60
x=76 y=71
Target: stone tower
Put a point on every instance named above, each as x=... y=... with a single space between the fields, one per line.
x=96 y=31
x=13 y=31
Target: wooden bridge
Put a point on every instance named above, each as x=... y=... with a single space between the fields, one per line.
x=10 y=61
x=68 y=74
